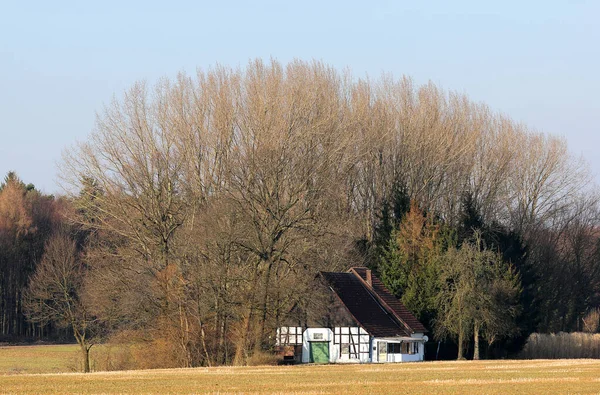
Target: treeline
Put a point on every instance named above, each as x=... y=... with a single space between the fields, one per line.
x=27 y=219
x=203 y=207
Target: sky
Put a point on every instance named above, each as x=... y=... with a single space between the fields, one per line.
x=60 y=61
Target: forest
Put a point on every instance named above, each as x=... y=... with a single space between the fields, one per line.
x=200 y=209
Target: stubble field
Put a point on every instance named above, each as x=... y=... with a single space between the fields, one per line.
x=21 y=372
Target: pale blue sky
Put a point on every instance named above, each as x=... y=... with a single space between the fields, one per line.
x=536 y=61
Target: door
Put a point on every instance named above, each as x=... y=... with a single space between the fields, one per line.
x=319 y=352
x=382 y=351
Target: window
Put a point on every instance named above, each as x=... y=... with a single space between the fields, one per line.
x=289 y=335
x=404 y=348
x=409 y=348
x=415 y=348
x=394 y=348
x=345 y=348
x=353 y=342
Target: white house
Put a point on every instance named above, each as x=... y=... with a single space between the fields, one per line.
x=366 y=324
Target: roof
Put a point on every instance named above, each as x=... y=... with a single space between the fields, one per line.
x=374 y=308
x=392 y=302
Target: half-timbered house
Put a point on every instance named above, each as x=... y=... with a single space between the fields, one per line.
x=354 y=319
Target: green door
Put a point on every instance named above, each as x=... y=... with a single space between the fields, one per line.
x=319 y=352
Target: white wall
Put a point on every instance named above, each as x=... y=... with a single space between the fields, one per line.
x=413 y=357
x=399 y=357
x=420 y=356
x=352 y=335
x=334 y=349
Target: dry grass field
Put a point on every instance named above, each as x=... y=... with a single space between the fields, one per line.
x=483 y=377
x=38 y=359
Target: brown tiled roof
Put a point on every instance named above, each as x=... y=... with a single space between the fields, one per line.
x=399 y=310
x=374 y=307
x=363 y=306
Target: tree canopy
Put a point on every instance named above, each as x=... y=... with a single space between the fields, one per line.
x=204 y=206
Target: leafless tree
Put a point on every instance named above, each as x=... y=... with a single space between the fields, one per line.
x=55 y=293
x=220 y=194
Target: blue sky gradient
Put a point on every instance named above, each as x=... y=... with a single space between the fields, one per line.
x=60 y=61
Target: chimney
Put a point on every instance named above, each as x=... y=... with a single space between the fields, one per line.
x=369 y=278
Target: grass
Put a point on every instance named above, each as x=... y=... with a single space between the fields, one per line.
x=483 y=377
x=39 y=359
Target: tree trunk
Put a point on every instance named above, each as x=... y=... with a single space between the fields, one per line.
x=240 y=352
x=203 y=338
x=85 y=348
x=460 y=341
x=244 y=343
x=223 y=344
x=184 y=340
x=265 y=306
x=476 y=342
x=85 y=353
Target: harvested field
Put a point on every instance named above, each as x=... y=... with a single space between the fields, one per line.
x=482 y=377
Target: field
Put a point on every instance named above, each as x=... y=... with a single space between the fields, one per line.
x=38 y=359
x=483 y=377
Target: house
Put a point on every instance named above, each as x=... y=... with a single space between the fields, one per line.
x=353 y=319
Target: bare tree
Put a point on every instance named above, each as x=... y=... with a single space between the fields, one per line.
x=55 y=293
x=219 y=193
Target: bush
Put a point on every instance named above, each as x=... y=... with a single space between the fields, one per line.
x=562 y=345
x=155 y=354
x=130 y=350
x=112 y=356
x=259 y=358
x=591 y=322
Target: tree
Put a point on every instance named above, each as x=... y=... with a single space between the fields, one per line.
x=211 y=198
x=479 y=294
x=409 y=265
x=263 y=149
x=55 y=293
x=27 y=218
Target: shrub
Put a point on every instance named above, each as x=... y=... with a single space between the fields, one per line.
x=591 y=322
x=112 y=356
x=131 y=350
x=263 y=358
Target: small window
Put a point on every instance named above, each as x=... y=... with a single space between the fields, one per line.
x=345 y=349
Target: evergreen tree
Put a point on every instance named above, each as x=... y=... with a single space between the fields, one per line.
x=409 y=265
x=393 y=211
